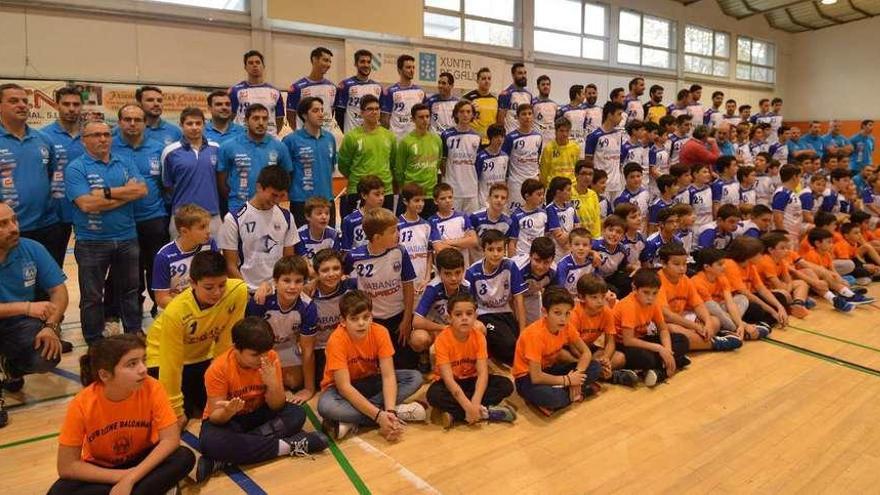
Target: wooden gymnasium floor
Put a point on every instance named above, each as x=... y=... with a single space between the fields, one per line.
x=797 y=414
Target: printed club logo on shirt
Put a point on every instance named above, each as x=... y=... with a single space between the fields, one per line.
x=122 y=445
x=29 y=272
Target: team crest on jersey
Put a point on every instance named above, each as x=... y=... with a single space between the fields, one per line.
x=29 y=273
x=396 y=266
x=213 y=159
x=273 y=157
x=276 y=226
x=122 y=445
x=268 y=243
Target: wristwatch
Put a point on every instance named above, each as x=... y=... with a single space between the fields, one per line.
x=106 y=193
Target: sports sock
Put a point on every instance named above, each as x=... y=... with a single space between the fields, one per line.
x=283 y=448
x=829 y=296
x=845 y=292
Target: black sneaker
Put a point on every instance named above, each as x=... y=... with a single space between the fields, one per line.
x=14 y=384
x=627 y=378
x=305 y=444
x=206 y=467
x=66 y=347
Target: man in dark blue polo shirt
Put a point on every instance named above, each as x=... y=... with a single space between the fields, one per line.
x=104 y=188
x=28 y=330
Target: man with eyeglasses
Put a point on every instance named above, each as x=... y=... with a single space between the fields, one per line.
x=104 y=188
x=221 y=127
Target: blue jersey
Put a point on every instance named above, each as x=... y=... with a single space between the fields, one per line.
x=348 y=99
x=481 y=222
x=86 y=174
x=323 y=89
x=441 y=112
x=397 y=102
x=526 y=226
x=382 y=277
x=640 y=198
x=710 y=236
x=67 y=149
x=569 y=271
x=147 y=159
x=432 y=304
x=655 y=208
x=313 y=160
x=494 y=290
x=26 y=169
x=28 y=267
x=353 y=231
x=243 y=95
x=191 y=175
x=509 y=99
x=308 y=246
x=562 y=218
x=288 y=325
x=726 y=192
x=816 y=143
x=327 y=307
x=831 y=140
x=171 y=266
x=651 y=253
x=460 y=151
x=242 y=159
x=213 y=134
x=164 y=132
x=610 y=260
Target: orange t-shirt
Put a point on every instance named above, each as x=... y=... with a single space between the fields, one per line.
x=768 y=267
x=360 y=357
x=711 y=291
x=843 y=250
x=681 y=295
x=537 y=343
x=226 y=378
x=630 y=313
x=742 y=279
x=815 y=257
x=114 y=433
x=591 y=327
x=462 y=356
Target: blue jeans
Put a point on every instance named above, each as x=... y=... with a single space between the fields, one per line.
x=332 y=405
x=549 y=396
x=17 y=345
x=94 y=258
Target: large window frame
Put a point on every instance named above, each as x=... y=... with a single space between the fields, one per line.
x=243 y=6
x=715 y=58
x=643 y=46
x=469 y=22
x=750 y=69
x=583 y=36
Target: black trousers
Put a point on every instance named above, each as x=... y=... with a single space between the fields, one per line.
x=152 y=235
x=298 y=208
x=161 y=479
x=350 y=203
x=756 y=314
x=404 y=357
x=320 y=363
x=193 y=386
x=497 y=389
x=643 y=359
x=502 y=330
x=253 y=437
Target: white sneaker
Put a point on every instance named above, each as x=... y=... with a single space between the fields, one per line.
x=412 y=412
x=651 y=378
x=345 y=429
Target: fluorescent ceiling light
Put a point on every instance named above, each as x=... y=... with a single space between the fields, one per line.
x=828 y=2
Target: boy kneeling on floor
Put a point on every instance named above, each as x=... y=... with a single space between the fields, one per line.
x=247 y=418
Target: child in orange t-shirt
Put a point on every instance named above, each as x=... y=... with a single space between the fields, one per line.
x=592 y=318
x=852 y=246
x=765 y=310
x=360 y=385
x=120 y=432
x=817 y=257
x=775 y=271
x=247 y=418
x=542 y=378
x=463 y=388
x=713 y=287
x=684 y=310
x=642 y=334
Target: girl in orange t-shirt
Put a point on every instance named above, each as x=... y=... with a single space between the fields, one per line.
x=463 y=388
x=120 y=432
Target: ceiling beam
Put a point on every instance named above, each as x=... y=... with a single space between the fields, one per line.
x=796 y=22
x=754 y=11
x=860 y=10
x=825 y=16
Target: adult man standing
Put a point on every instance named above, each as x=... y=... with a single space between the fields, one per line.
x=512 y=97
x=814 y=140
x=351 y=90
x=654 y=109
x=314 y=85
x=221 y=127
x=255 y=90
x=593 y=118
x=27 y=161
x=104 y=189
x=241 y=158
x=313 y=153
x=631 y=104
x=723 y=138
x=602 y=150
x=485 y=103
x=863 y=147
x=730 y=116
x=151 y=219
x=797 y=147
x=576 y=114
x=694 y=108
x=442 y=103
x=545 y=110
x=835 y=142
x=398 y=99
x=367 y=150
x=151 y=100
x=713 y=116
x=188 y=169
x=776 y=118
x=28 y=329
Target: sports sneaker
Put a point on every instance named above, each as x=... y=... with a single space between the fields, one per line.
x=627 y=378
x=305 y=444
x=501 y=414
x=842 y=305
x=8 y=382
x=412 y=412
x=849 y=279
x=338 y=430
x=206 y=467
x=651 y=378
x=859 y=290
x=728 y=343
x=859 y=299
x=810 y=303
x=799 y=311
x=763 y=330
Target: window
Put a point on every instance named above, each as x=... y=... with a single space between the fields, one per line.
x=755 y=60
x=491 y=22
x=571 y=27
x=706 y=51
x=236 y=5
x=646 y=40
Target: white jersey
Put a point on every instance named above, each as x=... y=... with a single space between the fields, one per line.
x=577 y=116
x=676 y=143
x=397 y=102
x=324 y=90
x=509 y=99
x=696 y=111
x=743 y=153
x=545 y=117
x=441 y=112
x=415 y=237
x=327 y=306
x=701 y=201
x=605 y=149
x=633 y=109
x=460 y=149
x=348 y=99
x=382 y=277
x=491 y=169
x=592 y=119
x=244 y=95
x=259 y=237
x=525 y=227
x=789 y=204
x=494 y=291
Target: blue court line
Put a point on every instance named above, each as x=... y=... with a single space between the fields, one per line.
x=65 y=374
x=245 y=482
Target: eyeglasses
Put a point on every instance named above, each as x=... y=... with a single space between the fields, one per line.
x=137 y=120
x=106 y=135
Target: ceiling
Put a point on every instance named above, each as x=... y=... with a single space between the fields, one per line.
x=797 y=16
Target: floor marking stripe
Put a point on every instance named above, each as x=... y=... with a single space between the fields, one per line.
x=417 y=482
x=27 y=440
x=824 y=357
x=343 y=462
x=245 y=482
x=831 y=337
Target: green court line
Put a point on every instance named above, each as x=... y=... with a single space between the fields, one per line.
x=824 y=357
x=340 y=457
x=831 y=337
x=38 y=401
x=27 y=440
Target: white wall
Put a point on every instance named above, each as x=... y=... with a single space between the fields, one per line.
x=834 y=73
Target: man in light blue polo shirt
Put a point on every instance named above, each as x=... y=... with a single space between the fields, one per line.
x=814 y=139
x=835 y=142
x=150 y=99
x=242 y=158
x=150 y=216
x=863 y=147
x=104 y=188
x=221 y=127
x=27 y=162
x=313 y=152
x=188 y=169
x=64 y=134
x=29 y=330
